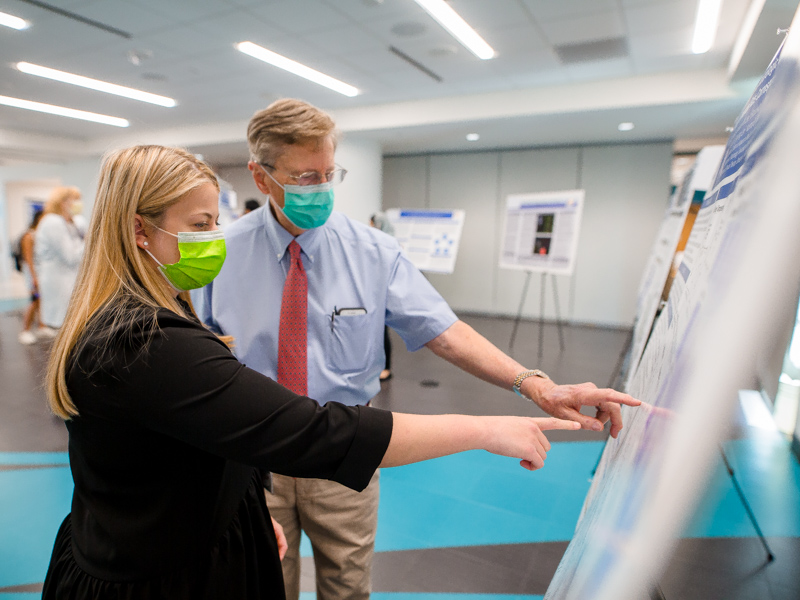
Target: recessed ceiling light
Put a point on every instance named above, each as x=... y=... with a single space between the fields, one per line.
x=408 y=29
x=627 y=126
x=287 y=64
x=458 y=27
x=13 y=22
x=63 y=111
x=705 y=25
x=95 y=84
x=473 y=137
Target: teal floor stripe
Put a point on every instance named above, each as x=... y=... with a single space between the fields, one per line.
x=770 y=478
x=34 y=502
x=34 y=458
x=432 y=596
x=477 y=498
x=21 y=596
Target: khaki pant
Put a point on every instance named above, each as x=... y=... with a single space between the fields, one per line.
x=341 y=525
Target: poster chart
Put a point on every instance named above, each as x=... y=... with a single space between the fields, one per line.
x=541 y=231
x=697 y=181
x=738 y=282
x=430 y=238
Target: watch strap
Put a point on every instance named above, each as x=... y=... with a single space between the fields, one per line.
x=523 y=376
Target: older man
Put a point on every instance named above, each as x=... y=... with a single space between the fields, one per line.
x=306 y=293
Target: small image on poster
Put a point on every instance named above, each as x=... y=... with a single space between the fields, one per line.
x=541 y=246
x=541 y=231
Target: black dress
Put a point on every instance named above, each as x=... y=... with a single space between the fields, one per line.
x=165 y=456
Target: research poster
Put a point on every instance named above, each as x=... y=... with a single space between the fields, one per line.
x=663 y=257
x=703 y=348
x=541 y=231
x=430 y=238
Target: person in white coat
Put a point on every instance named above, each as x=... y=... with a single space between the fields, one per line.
x=58 y=250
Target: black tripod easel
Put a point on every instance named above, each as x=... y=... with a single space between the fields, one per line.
x=655 y=591
x=746 y=505
x=541 y=314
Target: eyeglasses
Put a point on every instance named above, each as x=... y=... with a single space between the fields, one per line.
x=313 y=177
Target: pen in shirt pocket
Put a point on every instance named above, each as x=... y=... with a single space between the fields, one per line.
x=347 y=312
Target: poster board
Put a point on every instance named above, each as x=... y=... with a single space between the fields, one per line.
x=540 y=232
x=718 y=321
x=430 y=238
x=695 y=184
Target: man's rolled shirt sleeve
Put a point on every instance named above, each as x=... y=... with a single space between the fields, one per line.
x=414 y=309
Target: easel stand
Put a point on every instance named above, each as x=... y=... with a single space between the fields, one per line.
x=541 y=314
x=657 y=594
x=746 y=504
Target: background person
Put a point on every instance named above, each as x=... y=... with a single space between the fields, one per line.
x=31 y=315
x=58 y=250
x=250 y=205
x=168 y=431
x=307 y=292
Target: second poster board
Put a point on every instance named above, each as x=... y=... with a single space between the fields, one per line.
x=541 y=231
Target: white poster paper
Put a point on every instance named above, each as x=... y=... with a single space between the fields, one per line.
x=430 y=238
x=541 y=231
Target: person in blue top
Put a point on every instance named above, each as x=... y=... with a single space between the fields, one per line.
x=357 y=280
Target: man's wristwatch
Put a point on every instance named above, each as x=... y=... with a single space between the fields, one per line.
x=523 y=376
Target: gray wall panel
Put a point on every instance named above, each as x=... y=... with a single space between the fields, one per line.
x=627 y=190
x=468 y=182
x=405 y=182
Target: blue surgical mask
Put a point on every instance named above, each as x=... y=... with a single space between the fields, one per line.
x=306 y=206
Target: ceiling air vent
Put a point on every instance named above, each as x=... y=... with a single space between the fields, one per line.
x=592 y=51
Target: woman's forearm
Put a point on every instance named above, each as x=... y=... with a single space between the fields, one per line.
x=421 y=437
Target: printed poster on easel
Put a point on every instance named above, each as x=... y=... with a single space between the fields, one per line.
x=541 y=231
x=430 y=238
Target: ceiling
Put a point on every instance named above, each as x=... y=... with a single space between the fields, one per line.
x=566 y=71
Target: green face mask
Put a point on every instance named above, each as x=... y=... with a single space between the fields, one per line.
x=202 y=255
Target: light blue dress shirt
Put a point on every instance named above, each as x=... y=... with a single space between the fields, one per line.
x=358 y=281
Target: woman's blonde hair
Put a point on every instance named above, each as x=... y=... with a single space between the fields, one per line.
x=58 y=196
x=284 y=123
x=115 y=275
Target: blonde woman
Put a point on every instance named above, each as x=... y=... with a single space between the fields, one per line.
x=58 y=252
x=26 y=243
x=168 y=432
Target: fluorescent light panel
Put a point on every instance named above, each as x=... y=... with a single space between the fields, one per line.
x=705 y=27
x=63 y=111
x=626 y=126
x=458 y=27
x=287 y=64
x=13 y=22
x=95 y=84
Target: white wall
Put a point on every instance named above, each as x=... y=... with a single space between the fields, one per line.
x=627 y=189
x=18 y=181
x=358 y=196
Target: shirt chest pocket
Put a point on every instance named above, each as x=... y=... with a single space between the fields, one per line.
x=352 y=342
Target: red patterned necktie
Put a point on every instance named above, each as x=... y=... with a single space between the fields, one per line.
x=292 y=335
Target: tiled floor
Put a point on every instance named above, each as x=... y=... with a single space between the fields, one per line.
x=466 y=527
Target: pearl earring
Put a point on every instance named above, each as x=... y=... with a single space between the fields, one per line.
x=146 y=243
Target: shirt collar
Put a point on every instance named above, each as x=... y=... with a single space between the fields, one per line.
x=280 y=239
